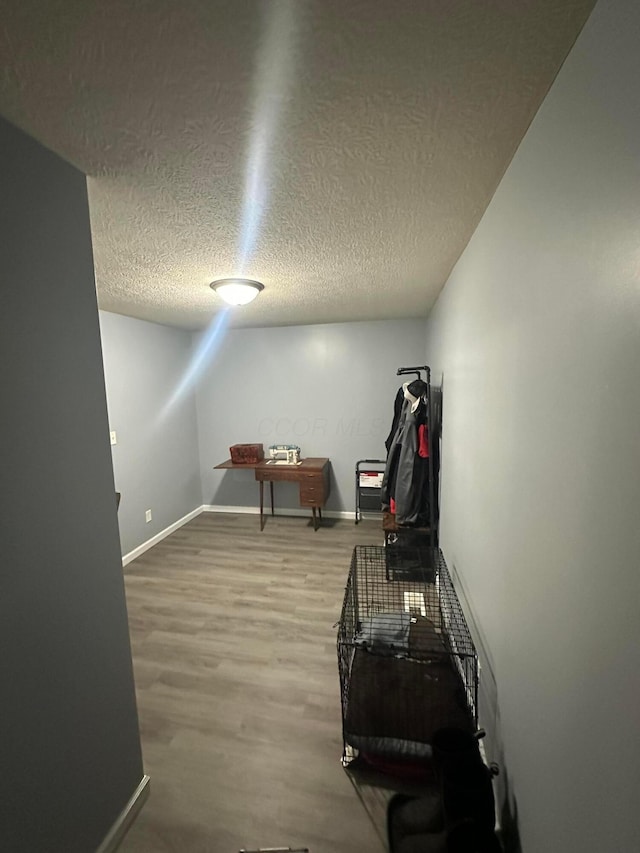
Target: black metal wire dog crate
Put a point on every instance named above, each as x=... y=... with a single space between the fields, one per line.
x=406 y=660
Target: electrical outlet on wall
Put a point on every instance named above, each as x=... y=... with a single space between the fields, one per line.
x=148 y=516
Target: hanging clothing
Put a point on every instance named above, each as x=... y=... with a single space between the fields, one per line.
x=406 y=475
x=397 y=408
x=415 y=390
x=423 y=441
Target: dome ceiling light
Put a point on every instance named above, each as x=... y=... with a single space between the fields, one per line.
x=237 y=291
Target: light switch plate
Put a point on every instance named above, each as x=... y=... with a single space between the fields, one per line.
x=113 y=436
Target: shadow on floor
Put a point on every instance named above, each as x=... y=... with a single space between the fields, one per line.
x=509 y=832
x=326 y=522
x=374 y=789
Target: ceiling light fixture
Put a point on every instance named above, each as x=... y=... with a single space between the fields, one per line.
x=237 y=291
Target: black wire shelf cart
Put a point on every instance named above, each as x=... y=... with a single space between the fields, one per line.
x=369 y=474
x=406 y=660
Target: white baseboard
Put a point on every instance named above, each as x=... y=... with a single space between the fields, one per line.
x=127 y=558
x=293 y=511
x=130 y=812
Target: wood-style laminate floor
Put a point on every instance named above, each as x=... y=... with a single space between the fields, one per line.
x=234 y=653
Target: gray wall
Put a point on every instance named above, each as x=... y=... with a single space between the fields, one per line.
x=537 y=334
x=328 y=388
x=69 y=749
x=155 y=461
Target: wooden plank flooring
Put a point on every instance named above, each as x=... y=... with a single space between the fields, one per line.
x=236 y=674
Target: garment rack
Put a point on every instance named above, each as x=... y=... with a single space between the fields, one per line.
x=433 y=522
x=402 y=371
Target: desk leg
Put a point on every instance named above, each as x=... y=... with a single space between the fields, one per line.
x=320 y=513
x=261 y=504
x=271 y=490
x=315 y=520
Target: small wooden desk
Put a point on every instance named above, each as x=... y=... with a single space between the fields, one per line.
x=311 y=474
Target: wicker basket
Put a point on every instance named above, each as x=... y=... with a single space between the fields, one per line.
x=246 y=454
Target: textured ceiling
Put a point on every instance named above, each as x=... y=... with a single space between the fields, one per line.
x=340 y=151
